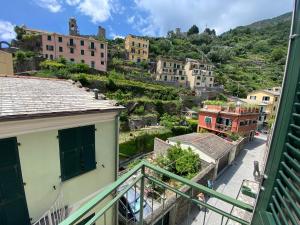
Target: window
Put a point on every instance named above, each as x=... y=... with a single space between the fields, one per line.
x=92 y=64
x=72 y=60
x=182 y=78
x=242 y=123
x=71 y=50
x=197 y=83
x=59 y=39
x=276 y=99
x=165 y=78
x=92 y=45
x=82 y=52
x=198 y=78
x=60 y=49
x=274 y=108
x=211 y=79
x=180 y=72
x=165 y=64
x=266 y=98
x=133 y=43
x=139 y=52
x=82 y=61
x=139 y=44
x=102 y=55
x=77 y=151
x=102 y=46
x=253 y=97
x=92 y=53
x=82 y=42
x=49 y=38
x=138 y=60
x=71 y=42
x=46 y=56
x=51 y=57
x=49 y=47
x=102 y=62
x=207 y=119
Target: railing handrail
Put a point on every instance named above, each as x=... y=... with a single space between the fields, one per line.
x=76 y=216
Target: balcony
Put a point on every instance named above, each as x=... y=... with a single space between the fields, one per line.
x=71 y=45
x=92 y=48
x=142 y=180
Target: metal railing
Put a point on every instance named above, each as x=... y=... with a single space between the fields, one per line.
x=136 y=180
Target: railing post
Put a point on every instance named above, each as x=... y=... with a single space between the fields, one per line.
x=142 y=195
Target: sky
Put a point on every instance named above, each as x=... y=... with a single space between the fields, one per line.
x=139 y=17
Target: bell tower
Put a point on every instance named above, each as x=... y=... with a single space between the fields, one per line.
x=73 y=29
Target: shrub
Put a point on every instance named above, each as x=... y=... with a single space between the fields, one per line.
x=78 y=68
x=51 y=65
x=139 y=110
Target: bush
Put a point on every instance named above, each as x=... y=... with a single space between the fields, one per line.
x=51 y=65
x=139 y=110
x=78 y=68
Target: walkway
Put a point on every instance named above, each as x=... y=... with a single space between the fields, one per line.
x=230 y=182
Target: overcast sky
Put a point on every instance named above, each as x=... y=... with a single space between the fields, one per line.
x=140 y=17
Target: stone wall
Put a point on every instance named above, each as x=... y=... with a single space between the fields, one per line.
x=136 y=123
x=27 y=65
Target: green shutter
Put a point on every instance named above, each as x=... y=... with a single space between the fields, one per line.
x=77 y=151
x=13 y=207
x=279 y=200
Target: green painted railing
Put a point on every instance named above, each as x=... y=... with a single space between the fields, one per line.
x=137 y=174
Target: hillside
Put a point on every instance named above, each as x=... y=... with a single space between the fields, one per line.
x=246 y=58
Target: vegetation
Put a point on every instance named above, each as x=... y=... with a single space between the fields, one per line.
x=183 y=162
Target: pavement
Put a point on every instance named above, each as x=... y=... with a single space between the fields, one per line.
x=229 y=183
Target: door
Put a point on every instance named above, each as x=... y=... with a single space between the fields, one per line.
x=13 y=207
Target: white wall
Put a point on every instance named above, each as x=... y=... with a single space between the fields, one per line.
x=40 y=165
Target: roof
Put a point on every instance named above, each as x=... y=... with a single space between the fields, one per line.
x=27 y=97
x=208 y=143
x=266 y=91
x=251 y=101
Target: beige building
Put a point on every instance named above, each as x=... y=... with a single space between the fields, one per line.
x=199 y=73
x=6 y=63
x=270 y=97
x=59 y=148
x=137 y=48
x=171 y=70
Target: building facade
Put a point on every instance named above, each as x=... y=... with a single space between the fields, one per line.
x=229 y=119
x=58 y=146
x=199 y=73
x=137 y=48
x=6 y=63
x=170 y=70
x=270 y=97
x=194 y=74
x=75 y=48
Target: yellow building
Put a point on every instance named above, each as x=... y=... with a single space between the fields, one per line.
x=6 y=63
x=269 y=97
x=137 y=48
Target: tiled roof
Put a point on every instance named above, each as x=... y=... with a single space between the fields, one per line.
x=23 y=97
x=208 y=143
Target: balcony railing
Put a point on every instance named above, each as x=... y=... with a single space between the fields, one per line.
x=139 y=179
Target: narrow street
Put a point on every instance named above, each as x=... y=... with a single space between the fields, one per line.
x=230 y=182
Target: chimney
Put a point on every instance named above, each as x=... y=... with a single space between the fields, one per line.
x=101 y=32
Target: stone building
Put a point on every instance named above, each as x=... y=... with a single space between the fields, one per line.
x=137 y=48
x=6 y=63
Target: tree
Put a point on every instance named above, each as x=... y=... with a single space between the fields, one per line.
x=193 y=30
x=210 y=31
x=19 y=32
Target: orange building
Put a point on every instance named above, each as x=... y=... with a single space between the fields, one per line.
x=231 y=118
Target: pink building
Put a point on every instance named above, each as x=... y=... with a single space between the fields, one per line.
x=75 y=48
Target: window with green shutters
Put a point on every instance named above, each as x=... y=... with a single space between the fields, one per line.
x=77 y=151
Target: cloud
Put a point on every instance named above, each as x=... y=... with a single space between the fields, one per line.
x=130 y=19
x=115 y=36
x=72 y=2
x=53 y=6
x=6 y=30
x=98 y=10
x=157 y=16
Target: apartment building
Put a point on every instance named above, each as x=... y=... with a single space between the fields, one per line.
x=171 y=70
x=229 y=118
x=137 y=48
x=199 y=73
x=59 y=147
x=6 y=63
x=268 y=96
x=88 y=49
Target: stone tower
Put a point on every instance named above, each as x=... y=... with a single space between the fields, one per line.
x=73 y=29
x=101 y=32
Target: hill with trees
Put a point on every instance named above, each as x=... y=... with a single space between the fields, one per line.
x=246 y=58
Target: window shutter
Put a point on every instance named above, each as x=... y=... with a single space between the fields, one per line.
x=77 y=151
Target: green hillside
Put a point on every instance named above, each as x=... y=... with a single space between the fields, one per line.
x=246 y=58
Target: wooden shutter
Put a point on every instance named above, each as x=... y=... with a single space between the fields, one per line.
x=77 y=151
